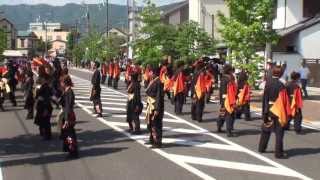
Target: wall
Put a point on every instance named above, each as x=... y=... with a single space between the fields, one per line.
x=174 y=18
x=213 y=7
x=289 y=12
x=308 y=42
x=293 y=60
x=58 y=45
x=42 y=35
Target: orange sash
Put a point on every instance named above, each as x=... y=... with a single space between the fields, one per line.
x=163 y=74
x=230 y=100
x=146 y=75
x=110 y=71
x=281 y=107
x=116 y=71
x=128 y=72
x=178 y=85
x=209 y=81
x=296 y=102
x=200 y=87
x=244 y=95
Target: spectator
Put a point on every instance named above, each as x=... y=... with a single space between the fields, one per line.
x=304 y=73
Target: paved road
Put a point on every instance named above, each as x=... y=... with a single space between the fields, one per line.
x=191 y=150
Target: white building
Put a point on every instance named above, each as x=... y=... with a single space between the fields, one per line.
x=298 y=24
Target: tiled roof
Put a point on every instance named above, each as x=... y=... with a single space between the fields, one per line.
x=300 y=26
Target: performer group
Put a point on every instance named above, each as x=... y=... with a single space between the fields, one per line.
x=180 y=81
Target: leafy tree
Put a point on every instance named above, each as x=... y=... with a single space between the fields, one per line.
x=40 y=46
x=156 y=39
x=192 y=41
x=3 y=41
x=244 y=32
x=113 y=45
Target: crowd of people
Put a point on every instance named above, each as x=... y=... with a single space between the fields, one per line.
x=52 y=86
x=282 y=101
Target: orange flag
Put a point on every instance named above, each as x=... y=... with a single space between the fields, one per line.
x=281 y=108
x=230 y=100
x=116 y=70
x=163 y=72
x=209 y=81
x=244 y=95
x=110 y=71
x=297 y=102
x=200 y=86
x=178 y=85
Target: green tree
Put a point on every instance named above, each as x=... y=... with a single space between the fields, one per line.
x=156 y=39
x=113 y=46
x=244 y=32
x=3 y=41
x=192 y=41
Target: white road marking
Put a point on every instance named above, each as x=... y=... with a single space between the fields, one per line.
x=229 y=164
x=105 y=103
x=192 y=143
x=110 y=99
x=282 y=170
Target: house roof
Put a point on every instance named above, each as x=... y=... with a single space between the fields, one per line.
x=173 y=8
x=25 y=34
x=5 y=19
x=300 y=26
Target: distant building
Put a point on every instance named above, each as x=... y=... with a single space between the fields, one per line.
x=117 y=32
x=54 y=33
x=11 y=31
x=203 y=12
x=298 y=24
x=26 y=40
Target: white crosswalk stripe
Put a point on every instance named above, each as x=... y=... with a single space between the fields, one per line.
x=114 y=105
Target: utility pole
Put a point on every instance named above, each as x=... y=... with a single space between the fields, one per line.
x=45 y=27
x=107 y=1
x=132 y=24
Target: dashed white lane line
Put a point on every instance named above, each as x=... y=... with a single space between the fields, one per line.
x=285 y=171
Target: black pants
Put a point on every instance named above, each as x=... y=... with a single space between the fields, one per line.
x=197 y=108
x=155 y=128
x=103 y=79
x=265 y=136
x=297 y=121
x=110 y=79
x=12 y=95
x=97 y=103
x=178 y=103
x=45 y=128
x=229 y=118
x=244 y=109
x=304 y=84
x=115 y=82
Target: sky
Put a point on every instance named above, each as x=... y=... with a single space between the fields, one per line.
x=62 y=2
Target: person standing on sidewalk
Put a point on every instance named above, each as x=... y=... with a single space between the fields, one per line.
x=28 y=94
x=296 y=102
x=275 y=112
x=110 y=73
x=304 y=76
x=96 y=90
x=104 y=70
x=179 y=88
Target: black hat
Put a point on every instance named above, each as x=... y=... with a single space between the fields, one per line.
x=156 y=71
x=97 y=64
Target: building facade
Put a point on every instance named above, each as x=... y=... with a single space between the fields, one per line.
x=54 y=33
x=26 y=40
x=11 y=32
x=298 y=24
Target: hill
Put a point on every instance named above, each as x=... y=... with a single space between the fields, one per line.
x=69 y=14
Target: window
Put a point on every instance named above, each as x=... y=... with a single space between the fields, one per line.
x=58 y=37
x=310 y=8
x=22 y=43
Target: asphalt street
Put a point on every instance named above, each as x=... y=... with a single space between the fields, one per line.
x=191 y=150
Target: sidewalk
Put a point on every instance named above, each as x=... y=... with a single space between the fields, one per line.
x=311 y=111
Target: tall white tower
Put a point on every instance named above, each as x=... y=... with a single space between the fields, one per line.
x=132 y=25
